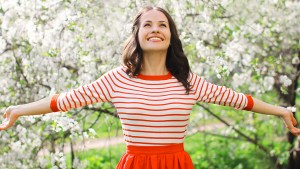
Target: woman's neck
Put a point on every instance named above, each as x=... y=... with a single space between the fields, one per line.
x=154 y=63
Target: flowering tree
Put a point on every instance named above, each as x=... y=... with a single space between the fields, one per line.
x=49 y=47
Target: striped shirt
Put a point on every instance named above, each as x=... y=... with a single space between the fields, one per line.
x=154 y=110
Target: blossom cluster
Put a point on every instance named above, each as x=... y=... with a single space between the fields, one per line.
x=53 y=46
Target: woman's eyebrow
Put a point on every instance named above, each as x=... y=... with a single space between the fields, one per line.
x=158 y=21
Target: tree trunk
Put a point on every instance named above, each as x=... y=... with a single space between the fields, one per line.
x=294 y=160
x=72 y=154
x=289 y=99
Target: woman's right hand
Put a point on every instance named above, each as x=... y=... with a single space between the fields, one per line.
x=10 y=117
x=290 y=121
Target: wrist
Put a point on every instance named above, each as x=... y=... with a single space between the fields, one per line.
x=18 y=110
x=283 y=112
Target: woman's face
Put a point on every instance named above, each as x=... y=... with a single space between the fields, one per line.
x=154 y=32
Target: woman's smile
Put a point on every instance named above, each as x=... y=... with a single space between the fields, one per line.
x=153 y=30
x=155 y=39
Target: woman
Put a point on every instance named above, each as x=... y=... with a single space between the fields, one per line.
x=153 y=92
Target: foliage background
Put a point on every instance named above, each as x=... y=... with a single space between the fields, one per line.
x=53 y=46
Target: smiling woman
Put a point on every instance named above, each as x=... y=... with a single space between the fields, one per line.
x=153 y=93
x=154 y=33
x=142 y=56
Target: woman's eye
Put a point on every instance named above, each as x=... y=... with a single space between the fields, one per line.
x=146 y=25
x=164 y=25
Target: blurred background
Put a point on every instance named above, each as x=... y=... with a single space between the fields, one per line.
x=46 y=47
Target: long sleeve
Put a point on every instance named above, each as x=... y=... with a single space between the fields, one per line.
x=221 y=95
x=100 y=90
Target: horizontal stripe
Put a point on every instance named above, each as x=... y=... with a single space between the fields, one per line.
x=153 y=137
x=168 y=135
x=179 y=93
x=125 y=82
x=153 y=120
x=148 y=98
x=159 y=131
x=171 y=129
x=145 y=82
x=140 y=108
x=152 y=104
x=154 y=77
x=153 y=117
x=155 y=143
x=153 y=114
x=122 y=87
x=158 y=126
x=163 y=123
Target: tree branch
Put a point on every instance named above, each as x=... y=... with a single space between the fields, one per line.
x=19 y=68
x=101 y=110
x=44 y=85
x=222 y=136
x=98 y=117
x=263 y=148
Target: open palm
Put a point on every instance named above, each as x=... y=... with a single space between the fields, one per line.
x=10 y=118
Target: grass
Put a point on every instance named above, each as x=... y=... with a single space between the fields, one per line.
x=207 y=152
x=106 y=158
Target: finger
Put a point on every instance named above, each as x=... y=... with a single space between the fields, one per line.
x=288 y=122
x=4 y=125
x=295 y=131
x=294 y=121
x=11 y=122
x=7 y=112
x=6 y=116
x=8 y=109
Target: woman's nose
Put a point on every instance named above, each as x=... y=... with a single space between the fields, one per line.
x=155 y=29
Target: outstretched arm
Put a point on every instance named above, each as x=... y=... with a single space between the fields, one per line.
x=211 y=93
x=12 y=113
x=97 y=91
x=285 y=114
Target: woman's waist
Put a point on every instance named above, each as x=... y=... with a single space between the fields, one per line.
x=161 y=149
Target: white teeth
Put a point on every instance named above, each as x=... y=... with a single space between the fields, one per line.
x=154 y=38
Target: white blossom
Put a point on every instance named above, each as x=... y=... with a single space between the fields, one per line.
x=268 y=82
x=79 y=164
x=295 y=60
x=64 y=124
x=286 y=81
x=292 y=109
x=85 y=135
x=2 y=44
x=92 y=131
x=59 y=159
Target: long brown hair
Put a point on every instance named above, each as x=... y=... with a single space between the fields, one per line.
x=176 y=61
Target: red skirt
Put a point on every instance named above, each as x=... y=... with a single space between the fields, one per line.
x=155 y=157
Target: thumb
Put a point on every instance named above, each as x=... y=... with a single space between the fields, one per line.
x=294 y=121
x=7 y=111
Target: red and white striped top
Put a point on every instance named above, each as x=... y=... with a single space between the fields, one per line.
x=154 y=110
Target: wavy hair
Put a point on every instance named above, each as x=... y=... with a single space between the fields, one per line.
x=176 y=61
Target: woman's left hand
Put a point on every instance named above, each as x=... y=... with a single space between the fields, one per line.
x=290 y=122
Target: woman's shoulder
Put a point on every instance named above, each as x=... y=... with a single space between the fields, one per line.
x=121 y=69
x=117 y=71
x=193 y=75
